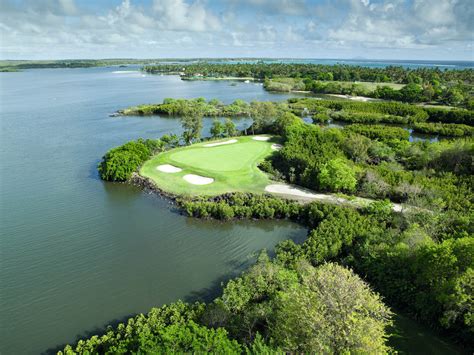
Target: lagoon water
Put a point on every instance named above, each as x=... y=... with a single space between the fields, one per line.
x=76 y=253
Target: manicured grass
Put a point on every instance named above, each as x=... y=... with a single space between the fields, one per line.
x=233 y=167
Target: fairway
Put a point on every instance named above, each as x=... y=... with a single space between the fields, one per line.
x=216 y=167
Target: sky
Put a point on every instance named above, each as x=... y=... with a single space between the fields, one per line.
x=372 y=29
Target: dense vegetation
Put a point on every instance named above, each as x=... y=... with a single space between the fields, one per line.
x=269 y=309
x=119 y=163
x=317 y=72
x=444 y=129
x=451 y=87
x=358 y=112
x=421 y=261
x=415 y=117
x=451 y=116
x=192 y=107
x=72 y=63
x=418 y=266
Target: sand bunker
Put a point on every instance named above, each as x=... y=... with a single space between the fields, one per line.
x=261 y=138
x=198 y=180
x=276 y=146
x=167 y=168
x=230 y=141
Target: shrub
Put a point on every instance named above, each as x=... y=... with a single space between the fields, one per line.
x=444 y=129
x=383 y=133
x=337 y=175
x=119 y=163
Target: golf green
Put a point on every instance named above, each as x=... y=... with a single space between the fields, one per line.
x=232 y=166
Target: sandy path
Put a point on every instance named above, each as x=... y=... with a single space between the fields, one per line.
x=230 y=141
x=276 y=146
x=197 y=179
x=167 y=168
x=293 y=191
x=260 y=138
x=354 y=98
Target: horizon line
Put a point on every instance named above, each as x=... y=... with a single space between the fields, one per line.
x=247 y=58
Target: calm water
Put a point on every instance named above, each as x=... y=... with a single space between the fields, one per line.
x=77 y=253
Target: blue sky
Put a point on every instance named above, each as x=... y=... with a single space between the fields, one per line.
x=382 y=29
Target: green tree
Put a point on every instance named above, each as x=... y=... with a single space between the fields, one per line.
x=412 y=93
x=263 y=114
x=217 y=129
x=330 y=311
x=229 y=128
x=192 y=126
x=453 y=96
x=337 y=175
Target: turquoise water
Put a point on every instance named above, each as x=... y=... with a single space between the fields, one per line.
x=77 y=253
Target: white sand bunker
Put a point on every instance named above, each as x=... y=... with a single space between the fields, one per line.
x=230 y=141
x=167 y=168
x=276 y=146
x=261 y=138
x=197 y=179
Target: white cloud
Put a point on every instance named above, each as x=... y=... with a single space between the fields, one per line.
x=68 y=7
x=179 y=15
x=133 y=28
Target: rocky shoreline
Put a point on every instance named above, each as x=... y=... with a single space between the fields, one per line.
x=149 y=186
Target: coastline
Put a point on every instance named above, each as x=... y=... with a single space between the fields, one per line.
x=149 y=186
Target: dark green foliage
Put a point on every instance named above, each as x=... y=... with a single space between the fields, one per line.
x=437 y=177
x=217 y=129
x=444 y=129
x=457 y=157
x=421 y=260
x=191 y=107
x=316 y=72
x=239 y=205
x=169 y=329
x=366 y=117
x=294 y=308
x=432 y=280
x=361 y=112
x=119 y=163
x=412 y=93
x=452 y=87
x=379 y=132
x=229 y=128
x=321 y=117
x=336 y=233
x=450 y=116
x=307 y=148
